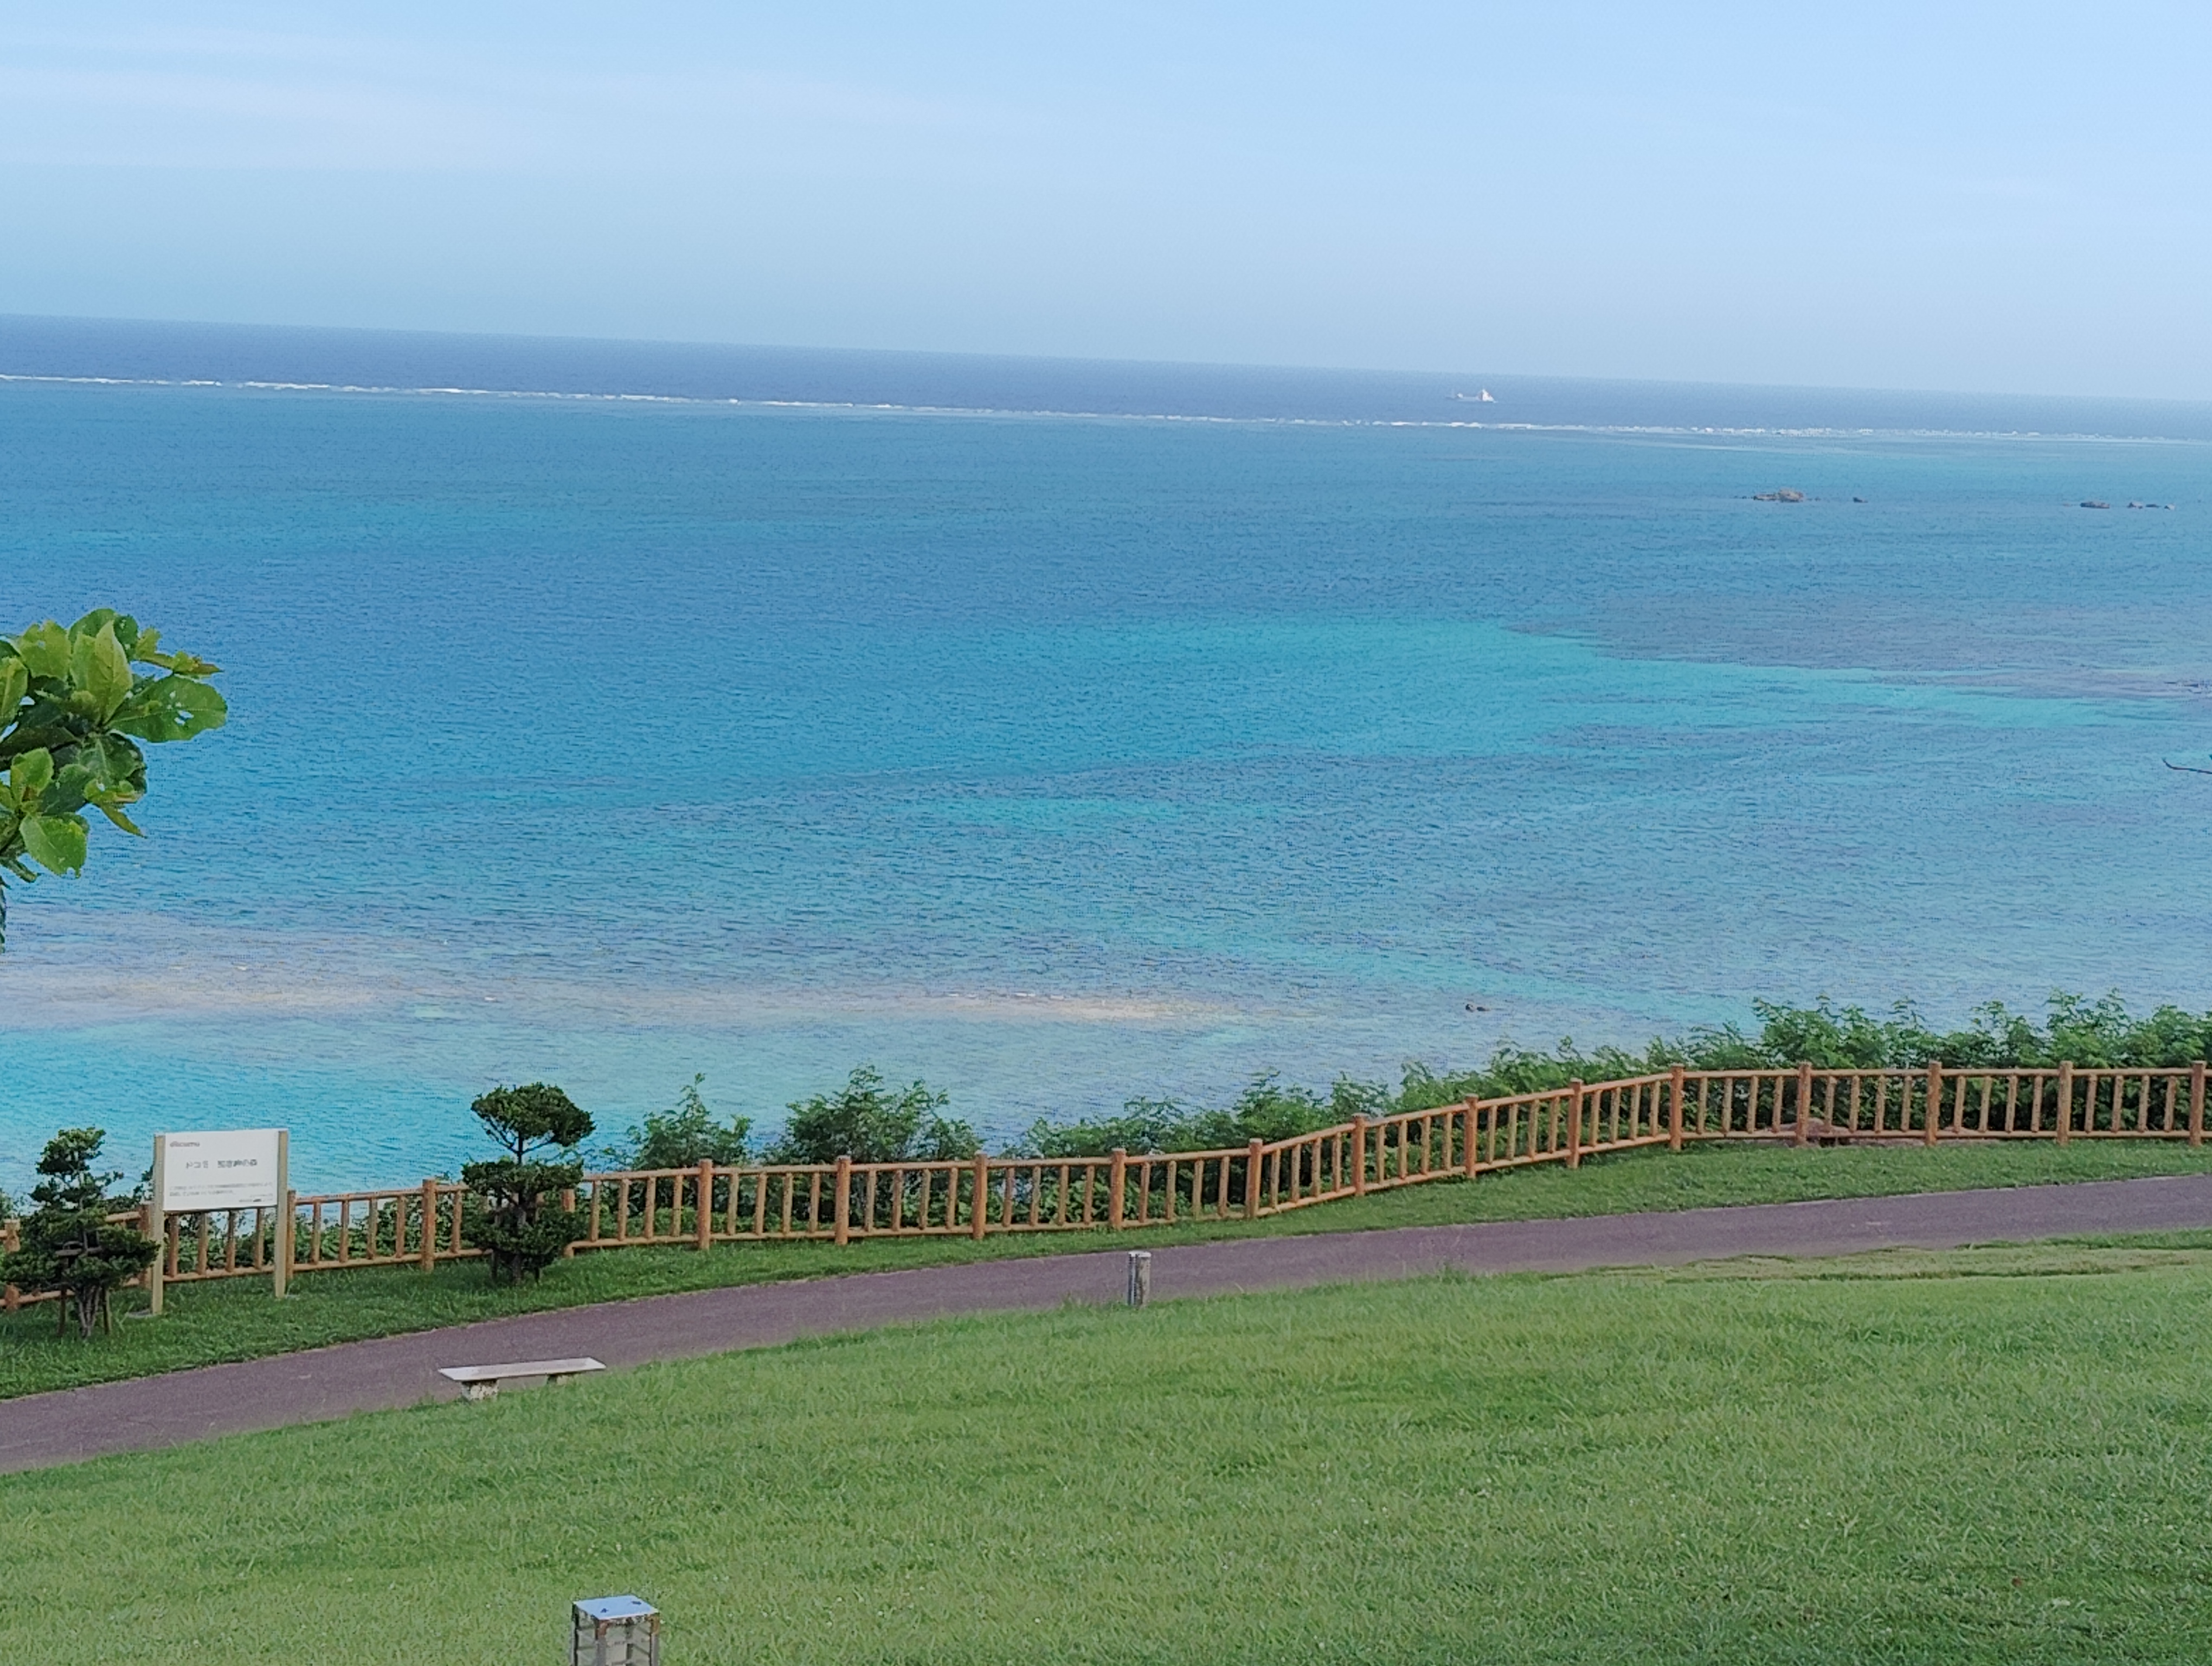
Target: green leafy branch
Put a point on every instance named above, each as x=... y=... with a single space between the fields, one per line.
x=73 y=711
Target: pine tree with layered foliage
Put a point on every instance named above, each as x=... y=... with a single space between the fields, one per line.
x=515 y=1213
x=68 y=1241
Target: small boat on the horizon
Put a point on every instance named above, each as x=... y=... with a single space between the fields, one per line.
x=1481 y=397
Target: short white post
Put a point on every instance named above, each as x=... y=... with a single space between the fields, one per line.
x=1140 y=1277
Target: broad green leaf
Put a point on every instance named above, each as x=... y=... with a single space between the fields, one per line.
x=75 y=782
x=30 y=774
x=114 y=814
x=171 y=709
x=14 y=683
x=102 y=618
x=56 y=842
x=45 y=650
x=99 y=666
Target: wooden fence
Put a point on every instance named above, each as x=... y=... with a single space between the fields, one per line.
x=838 y=1202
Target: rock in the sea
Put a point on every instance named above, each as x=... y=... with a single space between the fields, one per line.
x=1785 y=494
x=2094 y=503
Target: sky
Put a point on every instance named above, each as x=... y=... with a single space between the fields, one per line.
x=2006 y=198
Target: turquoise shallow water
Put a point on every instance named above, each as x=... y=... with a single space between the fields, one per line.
x=1061 y=758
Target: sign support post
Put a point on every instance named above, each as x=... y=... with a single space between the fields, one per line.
x=157 y=1224
x=283 y=1234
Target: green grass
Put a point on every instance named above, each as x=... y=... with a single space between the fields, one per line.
x=237 y=1320
x=1993 y=1455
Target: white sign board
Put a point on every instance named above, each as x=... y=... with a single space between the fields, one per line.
x=233 y=1168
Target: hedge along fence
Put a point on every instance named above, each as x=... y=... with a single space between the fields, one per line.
x=837 y=1202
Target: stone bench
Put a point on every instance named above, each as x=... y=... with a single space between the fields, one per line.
x=481 y=1382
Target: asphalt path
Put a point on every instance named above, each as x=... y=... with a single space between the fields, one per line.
x=37 y=1431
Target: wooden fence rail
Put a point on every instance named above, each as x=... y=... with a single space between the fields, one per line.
x=838 y=1202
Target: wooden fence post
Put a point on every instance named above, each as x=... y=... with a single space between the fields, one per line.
x=1575 y=1123
x=1676 y=1084
x=703 y=1228
x=1117 y=1179
x=2196 y=1102
x=1471 y=1157
x=1360 y=1155
x=430 y=1252
x=10 y=1241
x=288 y=1232
x=843 y=1231
x=1935 y=1099
x=981 y=1223
x=1252 y=1181
x=1804 y=1101
x=2065 y=1099
x=150 y=1224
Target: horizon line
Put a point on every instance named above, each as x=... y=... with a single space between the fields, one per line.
x=1247 y=366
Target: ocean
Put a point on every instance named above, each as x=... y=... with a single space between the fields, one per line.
x=1060 y=733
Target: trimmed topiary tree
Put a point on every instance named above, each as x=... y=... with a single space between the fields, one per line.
x=513 y=1213
x=69 y=1243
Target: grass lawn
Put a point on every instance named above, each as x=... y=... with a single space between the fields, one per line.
x=237 y=1319
x=1993 y=1455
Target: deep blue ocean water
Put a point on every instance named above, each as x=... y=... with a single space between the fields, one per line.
x=1060 y=733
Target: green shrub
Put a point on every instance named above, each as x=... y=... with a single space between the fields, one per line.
x=1267 y=1110
x=683 y=1136
x=870 y=1124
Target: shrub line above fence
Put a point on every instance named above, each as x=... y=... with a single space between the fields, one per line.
x=422 y=1225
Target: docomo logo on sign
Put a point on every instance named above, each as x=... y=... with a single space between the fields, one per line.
x=232 y=1169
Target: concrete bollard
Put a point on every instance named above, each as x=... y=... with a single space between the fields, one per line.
x=1140 y=1277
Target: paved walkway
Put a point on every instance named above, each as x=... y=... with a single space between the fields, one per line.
x=40 y=1430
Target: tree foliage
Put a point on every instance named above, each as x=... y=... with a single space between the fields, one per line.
x=870 y=1122
x=69 y=1243
x=515 y=1213
x=72 y=715
x=683 y=1136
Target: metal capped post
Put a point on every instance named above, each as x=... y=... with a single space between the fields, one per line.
x=1140 y=1277
x=614 y=1631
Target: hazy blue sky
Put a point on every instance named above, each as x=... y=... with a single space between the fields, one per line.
x=1998 y=198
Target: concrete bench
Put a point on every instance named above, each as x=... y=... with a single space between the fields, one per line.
x=481 y=1382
